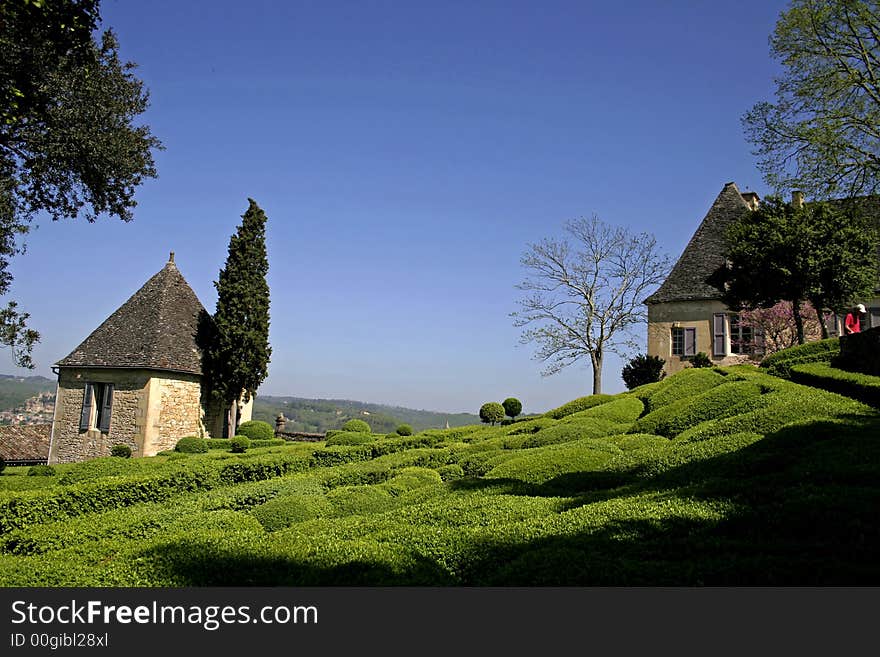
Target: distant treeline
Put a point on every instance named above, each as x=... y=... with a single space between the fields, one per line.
x=320 y=415
x=14 y=390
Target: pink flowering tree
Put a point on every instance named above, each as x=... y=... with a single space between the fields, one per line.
x=774 y=328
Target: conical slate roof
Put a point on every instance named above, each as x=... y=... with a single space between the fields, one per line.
x=704 y=254
x=157 y=328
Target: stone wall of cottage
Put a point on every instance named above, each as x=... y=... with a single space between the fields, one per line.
x=127 y=419
x=663 y=317
x=176 y=411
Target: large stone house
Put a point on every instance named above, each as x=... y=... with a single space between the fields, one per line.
x=137 y=379
x=686 y=315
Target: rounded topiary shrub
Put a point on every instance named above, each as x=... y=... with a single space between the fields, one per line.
x=701 y=359
x=351 y=438
x=122 y=451
x=491 y=412
x=512 y=406
x=239 y=444
x=404 y=430
x=256 y=430
x=191 y=445
x=41 y=471
x=356 y=425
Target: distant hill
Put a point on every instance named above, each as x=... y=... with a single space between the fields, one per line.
x=14 y=390
x=319 y=415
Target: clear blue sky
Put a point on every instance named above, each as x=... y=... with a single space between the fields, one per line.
x=405 y=155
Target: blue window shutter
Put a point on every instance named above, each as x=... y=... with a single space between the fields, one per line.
x=105 y=408
x=690 y=341
x=718 y=332
x=86 y=408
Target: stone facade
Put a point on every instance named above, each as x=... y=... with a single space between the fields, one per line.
x=128 y=419
x=699 y=315
x=176 y=411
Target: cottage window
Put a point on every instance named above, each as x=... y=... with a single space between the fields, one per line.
x=745 y=339
x=684 y=341
x=97 y=406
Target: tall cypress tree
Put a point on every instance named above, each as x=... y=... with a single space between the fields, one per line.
x=238 y=357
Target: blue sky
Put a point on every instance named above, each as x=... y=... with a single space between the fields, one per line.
x=405 y=154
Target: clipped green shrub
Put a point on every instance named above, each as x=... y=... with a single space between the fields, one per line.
x=356 y=425
x=223 y=443
x=404 y=430
x=41 y=471
x=256 y=430
x=687 y=383
x=622 y=410
x=531 y=426
x=491 y=412
x=816 y=350
x=544 y=464
x=512 y=407
x=351 y=438
x=450 y=472
x=642 y=369
x=577 y=405
x=239 y=444
x=191 y=445
x=564 y=432
x=701 y=359
x=412 y=478
x=720 y=401
x=864 y=387
x=283 y=511
x=121 y=451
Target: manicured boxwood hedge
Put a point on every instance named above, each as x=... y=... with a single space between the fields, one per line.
x=686 y=383
x=780 y=362
x=863 y=387
x=577 y=405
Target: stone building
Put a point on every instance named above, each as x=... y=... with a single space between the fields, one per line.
x=686 y=315
x=137 y=379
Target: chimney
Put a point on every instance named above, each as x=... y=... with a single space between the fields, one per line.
x=797 y=199
x=751 y=199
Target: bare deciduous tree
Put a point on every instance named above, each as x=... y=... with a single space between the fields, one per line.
x=585 y=292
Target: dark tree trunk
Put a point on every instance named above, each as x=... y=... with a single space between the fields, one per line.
x=798 y=321
x=232 y=419
x=597 y=373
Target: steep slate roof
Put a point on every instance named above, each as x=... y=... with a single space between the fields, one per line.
x=704 y=254
x=156 y=328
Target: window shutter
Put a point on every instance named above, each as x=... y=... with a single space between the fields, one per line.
x=105 y=410
x=718 y=344
x=690 y=341
x=86 y=409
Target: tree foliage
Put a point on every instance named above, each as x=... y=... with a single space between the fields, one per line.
x=823 y=131
x=512 y=407
x=491 y=412
x=642 y=369
x=69 y=145
x=777 y=327
x=238 y=356
x=823 y=253
x=585 y=293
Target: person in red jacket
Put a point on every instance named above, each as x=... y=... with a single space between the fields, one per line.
x=853 y=322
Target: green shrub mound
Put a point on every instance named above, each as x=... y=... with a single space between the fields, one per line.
x=358 y=426
x=283 y=511
x=41 y=471
x=701 y=359
x=121 y=451
x=623 y=410
x=351 y=438
x=564 y=432
x=530 y=426
x=239 y=444
x=686 y=383
x=404 y=430
x=256 y=430
x=546 y=463
x=864 y=387
x=577 y=405
x=718 y=402
x=224 y=443
x=780 y=363
x=191 y=445
x=491 y=412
